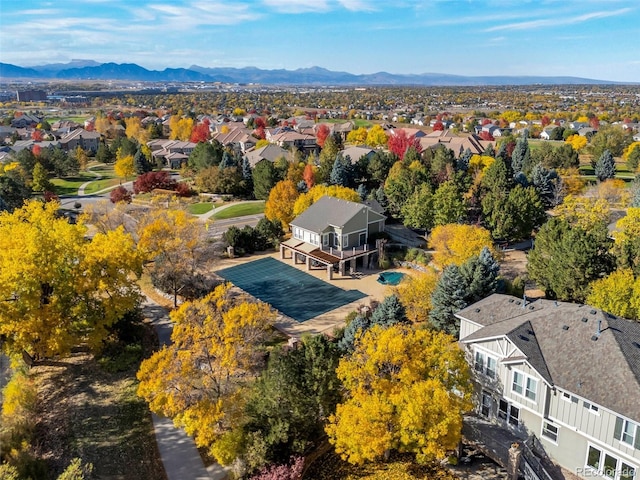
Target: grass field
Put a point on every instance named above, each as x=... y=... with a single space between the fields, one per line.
x=240 y=210
x=200 y=208
x=70 y=185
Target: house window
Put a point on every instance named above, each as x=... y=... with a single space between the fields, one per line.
x=487 y=402
x=593 y=458
x=325 y=239
x=610 y=466
x=485 y=364
x=524 y=385
x=514 y=415
x=518 y=383
x=550 y=431
x=591 y=407
x=627 y=472
x=509 y=413
x=569 y=398
x=345 y=241
x=606 y=465
x=532 y=388
x=628 y=432
x=362 y=239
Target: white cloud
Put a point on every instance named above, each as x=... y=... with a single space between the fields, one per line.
x=557 y=21
x=297 y=6
x=196 y=13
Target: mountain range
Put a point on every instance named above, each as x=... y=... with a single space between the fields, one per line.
x=314 y=76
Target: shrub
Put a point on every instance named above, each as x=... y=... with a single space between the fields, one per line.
x=77 y=471
x=120 y=194
x=153 y=180
x=293 y=471
x=183 y=189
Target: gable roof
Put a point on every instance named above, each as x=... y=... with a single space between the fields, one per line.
x=575 y=347
x=355 y=153
x=331 y=211
x=269 y=152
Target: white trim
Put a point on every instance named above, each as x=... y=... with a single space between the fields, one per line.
x=600 y=471
x=595 y=441
x=545 y=420
x=525 y=378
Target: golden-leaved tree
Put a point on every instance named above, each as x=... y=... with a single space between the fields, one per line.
x=124 y=167
x=279 y=205
x=174 y=242
x=456 y=243
x=584 y=212
x=407 y=389
x=198 y=379
x=617 y=293
x=307 y=199
x=56 y=287
x=414 y=292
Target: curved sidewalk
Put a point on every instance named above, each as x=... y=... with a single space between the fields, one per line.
x=178 y=451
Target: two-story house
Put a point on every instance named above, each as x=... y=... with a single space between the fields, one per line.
x=563 y=377
x=332 y=232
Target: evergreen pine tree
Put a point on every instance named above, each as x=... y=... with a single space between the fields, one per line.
x=362 y=191
x=480 y=274
x=338 y=174
x=635 y=189
x=381 y=197
x=489 y=151
x=227 y=161
x=502 y=152
x=356 y=328
x=246 y=169
x=462 y=164
x=140 y=162
x=521 y=156
x=389 y=312
x=605 y=166
x=545 y=182
x=447 y=299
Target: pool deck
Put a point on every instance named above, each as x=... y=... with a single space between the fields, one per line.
x=329 y=321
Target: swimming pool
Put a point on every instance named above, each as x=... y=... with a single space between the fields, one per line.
x=390 y=278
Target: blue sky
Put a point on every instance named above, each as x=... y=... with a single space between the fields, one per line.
x=585 y=38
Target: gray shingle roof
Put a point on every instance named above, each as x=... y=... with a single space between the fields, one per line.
x=562 y=344
x=329 y=211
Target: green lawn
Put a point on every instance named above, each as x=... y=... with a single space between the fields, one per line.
x=98 y=185
x=200 y=208
x=70 y=185
x=240 y=210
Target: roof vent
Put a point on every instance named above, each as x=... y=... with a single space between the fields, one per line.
x=585 y=319
x=636 y=344
x=593 y=312
x=565 y=327
x=594 y=338
x=531 y=307
x=511 y=300
x=518 y=302
x=522 y=337
x=477 y=310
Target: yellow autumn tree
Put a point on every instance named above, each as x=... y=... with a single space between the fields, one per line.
x=281 y=201
x=180 y=128
x=614 y=191
x=57 y=287
x=198 y=379
x=455 y=243
x=572 y=182
x=376 y=137
x=307 y=199
x=628 y=227
x=173 y=242
x=124 y=167
x=358 y=136
x=415 y=294
x=102 y=124
x=135 y=130
x=617 y=293
x=577 y=142
x=584 y=212
x=407 y=389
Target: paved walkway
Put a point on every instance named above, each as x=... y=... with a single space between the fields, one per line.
x=178 y=451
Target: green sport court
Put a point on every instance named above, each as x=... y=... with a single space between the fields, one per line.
x=291 y=291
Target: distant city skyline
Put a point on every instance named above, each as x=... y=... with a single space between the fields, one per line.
x=582 y=38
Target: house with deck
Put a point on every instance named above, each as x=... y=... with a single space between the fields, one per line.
x=560 y=379
x=332 y=233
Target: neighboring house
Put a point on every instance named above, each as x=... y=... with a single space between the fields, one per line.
x=332 y=232
x=562 y=379
x=89 y=141
x=454 y=142
x=237 y=137
x=25 y=120
x=356 y=153
x=29 y=144
x=269 y=152
x=173 y=153
x=587 y=132
x=288 y=139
